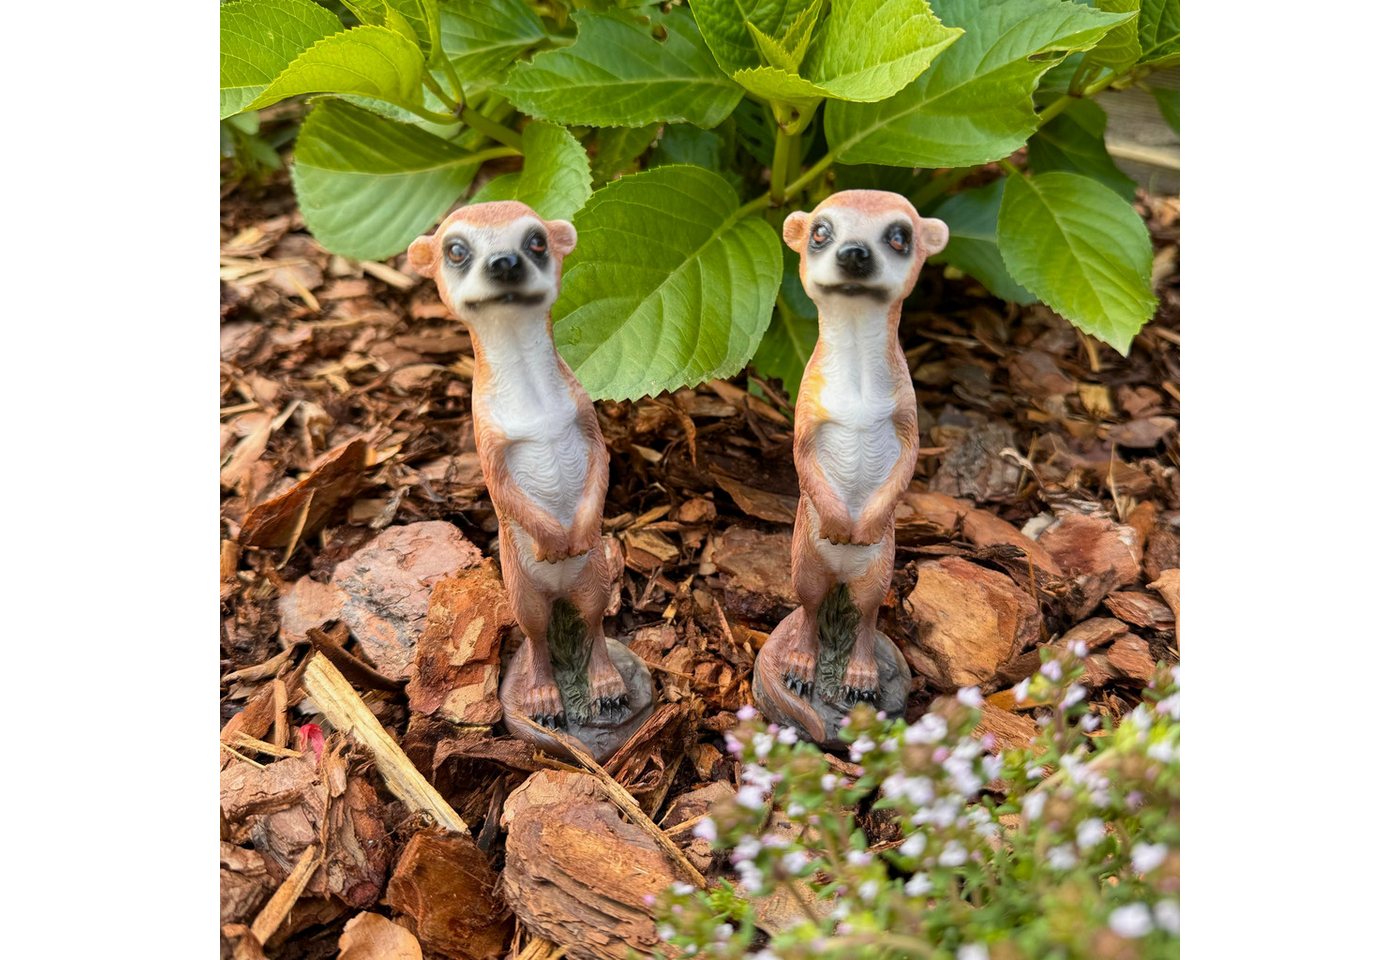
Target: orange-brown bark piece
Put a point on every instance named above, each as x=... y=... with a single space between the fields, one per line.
x=371 y=936
x=444 y=887
x=303 y=508
x=1101 y=556
x=949 y=517
x=457 y=660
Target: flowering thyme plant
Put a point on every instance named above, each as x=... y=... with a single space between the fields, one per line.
x=1067 y=849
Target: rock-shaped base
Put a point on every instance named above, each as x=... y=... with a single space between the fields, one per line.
x=601 y=740
x=819 y=719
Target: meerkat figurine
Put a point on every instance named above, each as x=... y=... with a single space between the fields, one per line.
x=856 y=440
x=497 y=267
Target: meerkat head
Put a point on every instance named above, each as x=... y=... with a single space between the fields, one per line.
x=862 y=244
x=494 y=260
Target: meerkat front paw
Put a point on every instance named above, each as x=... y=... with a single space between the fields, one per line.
x=609 y=694
x=543 y=705
x=862 y=679
x=800 y=673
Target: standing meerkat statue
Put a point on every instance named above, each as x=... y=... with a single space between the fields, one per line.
x=856 y=440
x=497 y=267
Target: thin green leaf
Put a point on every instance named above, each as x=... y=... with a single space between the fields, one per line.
x=258 y=38
x=1073 y=141
x=368 y=185
x=725 y=25
x=669 y=287
x=1119 y=49
x=974 y=104
x=618 y=73
x=1159 y=32
x=369 y=61
x=1082 y=249
x=555 y=180
x=792 y=334
x=972 y=240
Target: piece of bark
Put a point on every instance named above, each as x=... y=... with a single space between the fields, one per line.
x=275 y=911
x=947 y=517
x=1095 y=633
x=372 y=936
x=970 y=620
x=244 y=883
x=1010 y=730
x=1163 y=552
x=254 y=720
x=308 y=604
x=757 y=570
x=577 y=873
x=1127 y=659
x=307 y=504
x=1169 y=586
x=972 y=464
x=1035 y=373
x=457 y=659
x=689 y=808
x=388 y=581
x=1141 y=610
x=648 y=762
x=1101 y=556
x=445 y=887
x=1142 y=433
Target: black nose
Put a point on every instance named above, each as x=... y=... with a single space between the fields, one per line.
x=854 y=259
x=505 y=267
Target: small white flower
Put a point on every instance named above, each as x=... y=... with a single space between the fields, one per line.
x=991 y=766
x=1073 y=695
x=747 y=712
x=796 y=810
x=930 y=728
x=724 y=931
x=868 y=890
x=918 y=885
x=1061 y=857
x=1022 y=690
x=861 y=747
x=841 y=911
x=762 y=745
x=1149 y=856
x=1171 y=705
x=970 y=697
x=914 y=845
x=706 y=830
x=795 y=861
x=859 y=858
x=1089 y=722
x=787 y=736
x=745 y=850
x=764 y=954
x=1162 y=751
x=682 y=889
x=751 y=797
x=1051 y=670
x=1090 y=834
x=1168 y=915
x=953 y=855
x=1033 y=805
x=750 y=876
x=1079 y=648
x=1131 y=921
x=973 y=951
x=829 y=781
x=732 y=744
x=665 y=931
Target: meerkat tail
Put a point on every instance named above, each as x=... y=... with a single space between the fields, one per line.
x=569 y=650
x=837 y=622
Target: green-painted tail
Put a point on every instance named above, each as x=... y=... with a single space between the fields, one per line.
x=569 y=649
x=837 y=620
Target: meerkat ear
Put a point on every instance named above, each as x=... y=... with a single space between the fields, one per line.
x=422 y=255
x=934 y=234
x=795 y=230
x=562 y=236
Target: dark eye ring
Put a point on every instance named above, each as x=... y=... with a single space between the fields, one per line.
x=898 y=239
x=537 y=244
x=821 y=235
x=457 y=253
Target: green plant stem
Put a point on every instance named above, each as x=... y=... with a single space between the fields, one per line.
x=939 y=185
x=813 y=172
x=1058 y=105
x=431 y=83
x=1009 y=167
x=491 y=153
x=432 y=116
x=485 y=125
x=782 y=150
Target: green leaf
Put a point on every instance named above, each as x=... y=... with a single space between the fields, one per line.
x=555 y=181
x=848 y=60
x=971 y=217
x=618 y=74
x=1073 y=141
x=1119 y=48
x=792 y=335
x=415 y=19
x=1159 y=32
x=1169 y=102
x=368 y=185
x=619 y=150
x=369 y=61
x=1082 y=249
x=258 y=38
x=726 y=23
x=682 y=143
x=669 y=286
x=974 y=104
x=483 y=38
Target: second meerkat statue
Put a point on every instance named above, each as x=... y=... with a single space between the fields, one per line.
x=856 y=440
x=498 y=267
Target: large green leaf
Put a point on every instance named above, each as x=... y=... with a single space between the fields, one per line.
x=626 y=70
x=1159 y=32
x=847 y=60
x=374 y=62
x=416 y=19
x=368 y=185
x=1169 y=102
x=484 y=37
x=971 y=217
x=974 y=104
x=618 y=150
x=792 y=335
x=1082 y=249
x=1073 y=141
x=555 y=181
x=669 y=286
x=258 y=38
x=1119 y=49
x=725 y=24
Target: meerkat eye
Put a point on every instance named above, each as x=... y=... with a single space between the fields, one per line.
x=821 y=235
x=457 y=252
x=898 y=238
x=536 y=244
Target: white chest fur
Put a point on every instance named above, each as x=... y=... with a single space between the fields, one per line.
x=530 y=403
x=856 y=445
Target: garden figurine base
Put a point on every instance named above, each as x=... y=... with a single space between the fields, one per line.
x=602 y=738
x=814 y=716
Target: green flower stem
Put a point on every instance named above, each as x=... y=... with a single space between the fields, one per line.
x=485 y=125
x=451 y=73
x=1058 y=106
x=431 y=83
x=782 y=150
x=813 y=172
x=491 y=153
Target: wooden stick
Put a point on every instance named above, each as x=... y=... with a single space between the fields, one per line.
x=344 y=708
x=275 y=911
x=624 y=800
